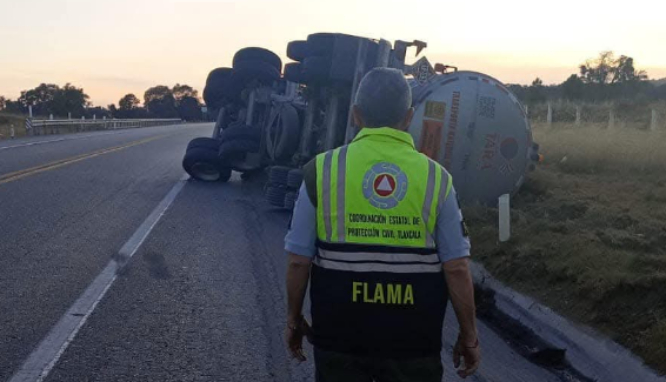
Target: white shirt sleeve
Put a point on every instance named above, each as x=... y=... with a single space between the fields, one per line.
x=450 y=234
x=302 y=236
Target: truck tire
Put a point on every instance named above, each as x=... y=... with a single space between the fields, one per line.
x=204 y=164
x=321 y=44
x=233 y=133
x=290 y=200
x=257 y=54
x=250 y=71
x=217 y=85
x=235 y=150
x=275 y=196
x=295 y=179
x=204 y=143
x=297 y=50
x=292 y=72
x=278 y=175
x=283 y=133
x=316 y=69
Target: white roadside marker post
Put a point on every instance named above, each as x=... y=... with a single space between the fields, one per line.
x=504 y=218
x=654 y=121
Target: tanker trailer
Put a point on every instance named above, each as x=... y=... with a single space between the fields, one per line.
x=476 y=128
x=468 y=122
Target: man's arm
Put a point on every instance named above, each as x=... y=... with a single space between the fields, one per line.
x=454 y=249
x=300 y=248
x=461 y=292
x=298 y=275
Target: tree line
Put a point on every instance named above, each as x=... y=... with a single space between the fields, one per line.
x=605 y=78
x=181 y=101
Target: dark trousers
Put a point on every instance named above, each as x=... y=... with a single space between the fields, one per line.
x=341 y=367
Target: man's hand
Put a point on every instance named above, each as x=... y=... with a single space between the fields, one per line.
x=296 y=330
x=471 y=355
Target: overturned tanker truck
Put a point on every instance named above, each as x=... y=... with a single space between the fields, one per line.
x=275 y=119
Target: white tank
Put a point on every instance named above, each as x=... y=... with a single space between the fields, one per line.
x=472 y=125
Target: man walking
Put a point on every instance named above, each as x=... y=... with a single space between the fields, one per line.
x=378 y=233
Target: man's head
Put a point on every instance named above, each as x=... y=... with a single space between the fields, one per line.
x=384 y=99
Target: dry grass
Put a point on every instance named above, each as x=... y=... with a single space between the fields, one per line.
x=589 y=234
x=592 y=149
x=6 y=122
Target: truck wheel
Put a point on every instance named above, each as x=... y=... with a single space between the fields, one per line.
x=321 y=44
x=292 y=72
x=282 y=135
x=297 y=50
x=290 y=200
x=257 y=54
x=278 y=176
x=242 y=131
x=217 y=84
x=275 y=196
x=316 y=69
x=236 y=150
x=295 y=179
x=248 y=72
x=204 y=164
x=204 y=143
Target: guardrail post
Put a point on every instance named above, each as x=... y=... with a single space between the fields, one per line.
x=30 y=111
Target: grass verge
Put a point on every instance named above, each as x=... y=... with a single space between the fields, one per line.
x=589 y=235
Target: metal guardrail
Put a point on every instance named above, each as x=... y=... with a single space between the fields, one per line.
x=63 y=126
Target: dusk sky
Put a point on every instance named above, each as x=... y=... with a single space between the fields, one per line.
x=111 y=48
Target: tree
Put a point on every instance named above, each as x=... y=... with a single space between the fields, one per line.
x=3 y=103
x=181 y=91
x=129 y=102
x=160 y=103
x=48 y=99
x=189 y=109
x=535 y=93
x=573 y=88
x=157 y=93
x=70 y=99
x=607 y=69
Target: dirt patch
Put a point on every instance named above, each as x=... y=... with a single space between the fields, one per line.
x=591 y=246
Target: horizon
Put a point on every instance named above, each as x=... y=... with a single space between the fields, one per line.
x=110 y=51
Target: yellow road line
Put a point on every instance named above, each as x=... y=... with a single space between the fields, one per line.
x=12 y=176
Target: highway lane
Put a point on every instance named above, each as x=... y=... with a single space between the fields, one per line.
x=202 y=300
x=29 y=152
x=59 y=227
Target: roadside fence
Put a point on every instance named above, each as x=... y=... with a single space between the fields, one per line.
x=66 y=126
x=650 y=117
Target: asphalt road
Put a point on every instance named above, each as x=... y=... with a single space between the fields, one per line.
x=203 y=298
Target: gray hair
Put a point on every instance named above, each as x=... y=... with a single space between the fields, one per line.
x=383 y=97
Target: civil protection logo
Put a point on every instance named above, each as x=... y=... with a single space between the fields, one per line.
x=385 y=185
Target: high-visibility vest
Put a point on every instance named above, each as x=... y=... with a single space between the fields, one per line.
x=377 y=282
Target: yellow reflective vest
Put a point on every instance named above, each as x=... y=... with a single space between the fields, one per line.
x=377 y=282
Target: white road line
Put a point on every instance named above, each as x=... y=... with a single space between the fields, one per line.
x=40 y=362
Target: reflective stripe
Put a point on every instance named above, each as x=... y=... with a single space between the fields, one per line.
x=326 y=194
x=378 y=267
x=341 y=190
x=383 y=257
x=427 y=202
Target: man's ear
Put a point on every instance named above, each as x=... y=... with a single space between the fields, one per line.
x=358 y=117
x=408 y=119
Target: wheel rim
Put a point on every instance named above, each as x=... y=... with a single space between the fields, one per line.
x=205 y=171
